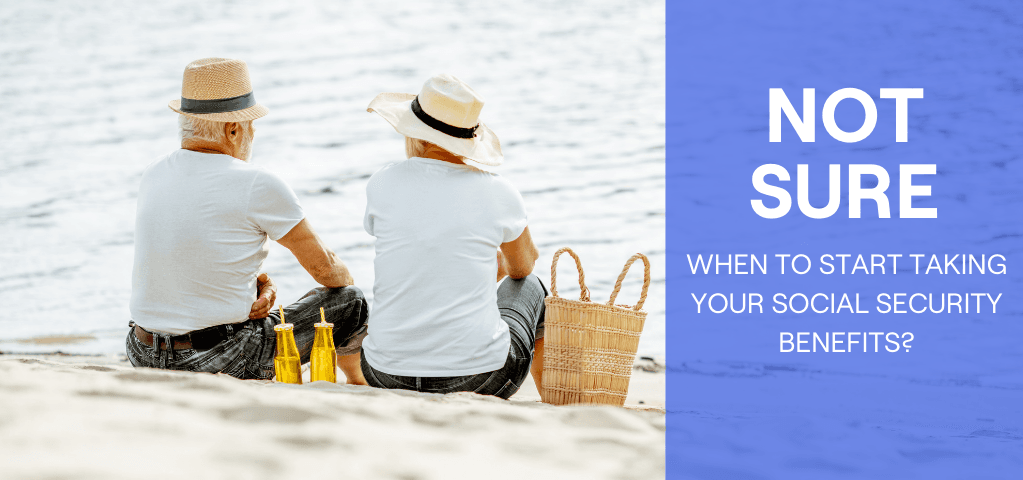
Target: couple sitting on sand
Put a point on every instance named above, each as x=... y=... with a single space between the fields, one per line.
x=444 y=230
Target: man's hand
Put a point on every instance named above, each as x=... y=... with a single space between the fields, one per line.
x=267 y=296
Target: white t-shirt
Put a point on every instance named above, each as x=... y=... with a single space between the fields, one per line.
x=438 y=227
x=200 y=239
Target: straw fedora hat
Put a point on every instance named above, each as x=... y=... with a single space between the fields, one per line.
x=219 y=90
x=446 y=113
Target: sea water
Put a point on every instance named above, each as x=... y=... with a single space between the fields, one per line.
x=575 y=93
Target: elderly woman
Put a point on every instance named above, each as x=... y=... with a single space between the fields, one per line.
x=445 y=230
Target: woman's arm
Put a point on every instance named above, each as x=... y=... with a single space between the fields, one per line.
x=519 y=255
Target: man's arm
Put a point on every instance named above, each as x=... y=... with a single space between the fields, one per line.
x=519 y=255
x=324 y=266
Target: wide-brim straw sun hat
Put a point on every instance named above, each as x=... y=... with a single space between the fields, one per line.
x=446 y=113
x=219 y=90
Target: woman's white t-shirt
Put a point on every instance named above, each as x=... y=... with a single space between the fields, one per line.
x=438 y=227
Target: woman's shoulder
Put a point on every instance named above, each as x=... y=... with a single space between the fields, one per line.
x=384 y=172
x=498 y=181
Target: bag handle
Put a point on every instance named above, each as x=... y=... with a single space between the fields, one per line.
x=646 y=281
x=584 y=293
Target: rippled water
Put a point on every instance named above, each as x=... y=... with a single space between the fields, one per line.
x=576 y=94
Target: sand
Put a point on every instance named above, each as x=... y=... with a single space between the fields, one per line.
x=97 y=417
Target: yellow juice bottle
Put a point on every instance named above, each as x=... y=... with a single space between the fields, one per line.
x=287 y=362
x=323 y=360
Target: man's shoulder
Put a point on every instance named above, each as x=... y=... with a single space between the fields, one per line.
x=265 y=177
x=188 y=159
x=188 y=166
x=158 y=161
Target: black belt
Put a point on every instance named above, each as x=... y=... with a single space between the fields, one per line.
x=203 y=339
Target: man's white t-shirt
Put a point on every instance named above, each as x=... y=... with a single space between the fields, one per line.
x=438 y=226
x=200 y=239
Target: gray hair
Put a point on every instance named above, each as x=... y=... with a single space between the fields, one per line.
x=200 y=129
x=197 y=128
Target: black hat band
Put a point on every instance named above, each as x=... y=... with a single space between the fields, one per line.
x=457 y=132
x=219 y=105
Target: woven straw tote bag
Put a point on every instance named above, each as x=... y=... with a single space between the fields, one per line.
x=589 y=347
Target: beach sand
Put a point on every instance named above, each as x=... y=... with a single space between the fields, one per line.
x=70 y=416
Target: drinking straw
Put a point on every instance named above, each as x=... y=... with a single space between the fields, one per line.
x=323 y=318
x=281 y=308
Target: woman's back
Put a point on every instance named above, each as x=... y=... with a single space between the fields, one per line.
x=438 y=226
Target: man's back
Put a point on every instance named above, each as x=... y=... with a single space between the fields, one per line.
x=200 y=239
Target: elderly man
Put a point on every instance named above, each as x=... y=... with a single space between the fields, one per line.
x=198 y=300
